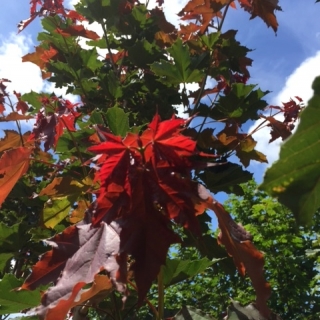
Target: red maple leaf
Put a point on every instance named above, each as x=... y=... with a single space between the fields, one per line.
x=52 y=119
x=145 y=183
x=46 y=7
x=21 y=105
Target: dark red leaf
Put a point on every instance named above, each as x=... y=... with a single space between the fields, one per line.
x=81 y=252
x=238 y=245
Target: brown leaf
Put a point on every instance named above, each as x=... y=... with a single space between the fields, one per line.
x=264 y=9
x=279 y=129
x=102 y=286
x=78 y=213
x=40 y=58
x=78 y=31
x=238 y=245
x=206 y=10
x=66 y=185
x=245 y=157
x=12 y=139
x=14 y=116
x=14 y=163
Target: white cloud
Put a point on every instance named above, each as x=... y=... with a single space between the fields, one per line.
x=297 y=84
x=24 y=76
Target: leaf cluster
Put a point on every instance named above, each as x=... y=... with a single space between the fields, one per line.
x=111 y=179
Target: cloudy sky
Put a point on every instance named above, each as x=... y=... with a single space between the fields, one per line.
x=285 y=64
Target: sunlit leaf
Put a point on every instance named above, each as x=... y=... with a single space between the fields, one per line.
x=14 y=164
x=12 y=139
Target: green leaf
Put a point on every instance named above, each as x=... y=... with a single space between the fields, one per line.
x=113 y=85
x=4 y=257
x=242 y=103
x=181 y=71
x=210 y=39
x=177 y=270
x=32 y=98
x=295 y=178
x=12 y=238
x=118 y=121
x=90 y=59
x=226 y=177
x=143 y=53
x=96 y=118
x=190 y=313
x=55 y=210
x=63 y=193
x=13 y=301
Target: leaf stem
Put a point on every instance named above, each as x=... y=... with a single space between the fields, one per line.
x=84 y=170
x=17 y=122
x=108 y=47
x=160 y=294
x=204 y=81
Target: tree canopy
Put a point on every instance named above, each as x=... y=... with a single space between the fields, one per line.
x=95 y=195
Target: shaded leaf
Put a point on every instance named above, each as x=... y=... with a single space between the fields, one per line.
x=182 y=70
x=225 y=178
x=12 y=238
x=279 y=129
x=242 y=103
x=190 y=313
x=238 y=245
x=294 y=178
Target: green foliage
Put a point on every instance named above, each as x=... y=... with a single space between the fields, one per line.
x=13 y=301
x=294 y=179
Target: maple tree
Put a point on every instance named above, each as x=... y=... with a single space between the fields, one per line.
x=107 y=180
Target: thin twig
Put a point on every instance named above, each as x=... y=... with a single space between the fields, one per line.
x=151 y=306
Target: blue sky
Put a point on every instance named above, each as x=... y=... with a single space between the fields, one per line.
x=285 y=64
